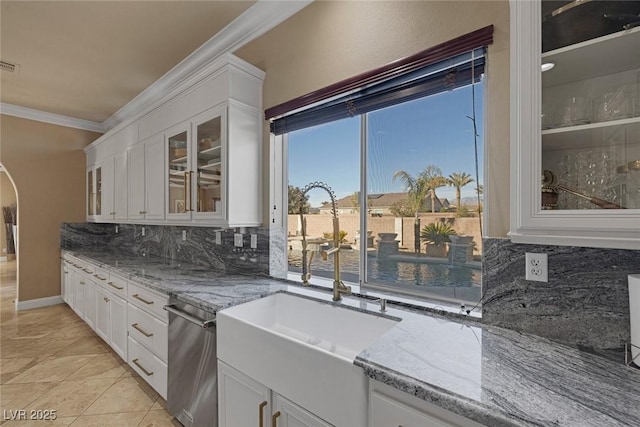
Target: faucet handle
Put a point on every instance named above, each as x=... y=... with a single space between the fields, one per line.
x=383 y=304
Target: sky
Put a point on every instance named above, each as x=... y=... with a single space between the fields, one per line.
x=429 y=131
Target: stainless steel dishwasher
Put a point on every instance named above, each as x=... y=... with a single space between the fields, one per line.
x=192 y=395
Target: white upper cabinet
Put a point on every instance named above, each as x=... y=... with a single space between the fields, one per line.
x=195 y=182
x=199 y=159
x=575 y=129
x=146 y=175
x=114 y=188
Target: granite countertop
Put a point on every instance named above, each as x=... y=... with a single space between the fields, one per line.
x=199 y=286
x=495 y=376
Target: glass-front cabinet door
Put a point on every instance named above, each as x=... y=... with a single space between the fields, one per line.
x=576 y=123
x=90 y=194
x=178 y=203
x=195 y=162
x=208 y=149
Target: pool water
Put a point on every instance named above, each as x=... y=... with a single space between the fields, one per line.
x=440 y=279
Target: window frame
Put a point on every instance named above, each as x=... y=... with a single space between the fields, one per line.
x=279 y=178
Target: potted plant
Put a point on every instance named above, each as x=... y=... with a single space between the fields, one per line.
x=436 y=234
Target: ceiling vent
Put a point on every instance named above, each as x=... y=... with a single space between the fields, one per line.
x=9 y=67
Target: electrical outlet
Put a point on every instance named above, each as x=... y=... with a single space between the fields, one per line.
x=237 y=240
x=143 y=232
x=184 y=235
x=536 y=267
x=254 y=241
x=218 y=237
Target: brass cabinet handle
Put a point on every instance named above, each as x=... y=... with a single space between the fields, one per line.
x=143 y=212
x=274 y=419
x=148 y=373
x=86 y=270
x=106 y=299
x=82 y=283
x=184 y=179
x=190 y=185
x=261 y=412
x=99 y=277
x=136 y=296
x=142 y=331
x=115 y=286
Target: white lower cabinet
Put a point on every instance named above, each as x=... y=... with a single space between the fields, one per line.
x=89 y=301
x=389 y=407
x=242 y=401
x=111 y=320
x=148 y=366
x=127 y=316
x=148 y=331
x=118 y=323
x=103 y=328
x=288 y=414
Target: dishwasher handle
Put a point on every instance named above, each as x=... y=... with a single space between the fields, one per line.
x=205 y=324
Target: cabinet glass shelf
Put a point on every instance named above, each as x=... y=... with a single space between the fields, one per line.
x=591 y=123
x=593 y=58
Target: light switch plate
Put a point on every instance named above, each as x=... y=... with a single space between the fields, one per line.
x=184 y=235
x=218 y=238
x=254 y=241
x=237 y=240
x=143 y=232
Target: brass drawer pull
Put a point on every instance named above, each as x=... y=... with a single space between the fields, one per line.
x=143 y=212
x=148 y=373
x=261 y=413
x=106 y=299
x=274 y=419
x=99 y=277
x=142 y=331
x=86 y=270
x=115 y=286
x=136 y=296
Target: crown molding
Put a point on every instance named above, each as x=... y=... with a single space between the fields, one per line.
x=56 y=119
x=254 y=22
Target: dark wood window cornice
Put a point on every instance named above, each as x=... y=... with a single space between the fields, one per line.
x=464 y=43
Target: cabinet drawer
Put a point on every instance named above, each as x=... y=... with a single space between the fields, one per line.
x=88 y=268
x=148 y=300
x=148 y=366
x=76 y=263
x=100 y=276
x=117 y=285
x=148 y=331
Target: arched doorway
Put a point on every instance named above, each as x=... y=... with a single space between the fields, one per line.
x=8 y=241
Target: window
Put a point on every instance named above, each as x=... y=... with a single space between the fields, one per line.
x=405 y=162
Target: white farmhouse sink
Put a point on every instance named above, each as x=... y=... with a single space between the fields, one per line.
x=303 y=349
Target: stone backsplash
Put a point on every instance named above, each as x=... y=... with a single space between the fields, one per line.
x=199 y=247
x=584 y=303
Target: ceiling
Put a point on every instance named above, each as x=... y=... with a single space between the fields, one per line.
x=87 y=59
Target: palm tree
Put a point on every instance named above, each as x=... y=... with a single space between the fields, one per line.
x=433 y=179
x=459 y=180
x=416 y=192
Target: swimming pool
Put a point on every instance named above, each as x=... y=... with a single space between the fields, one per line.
x=442 y=279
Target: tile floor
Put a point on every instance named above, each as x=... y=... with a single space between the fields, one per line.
x=51 y=360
